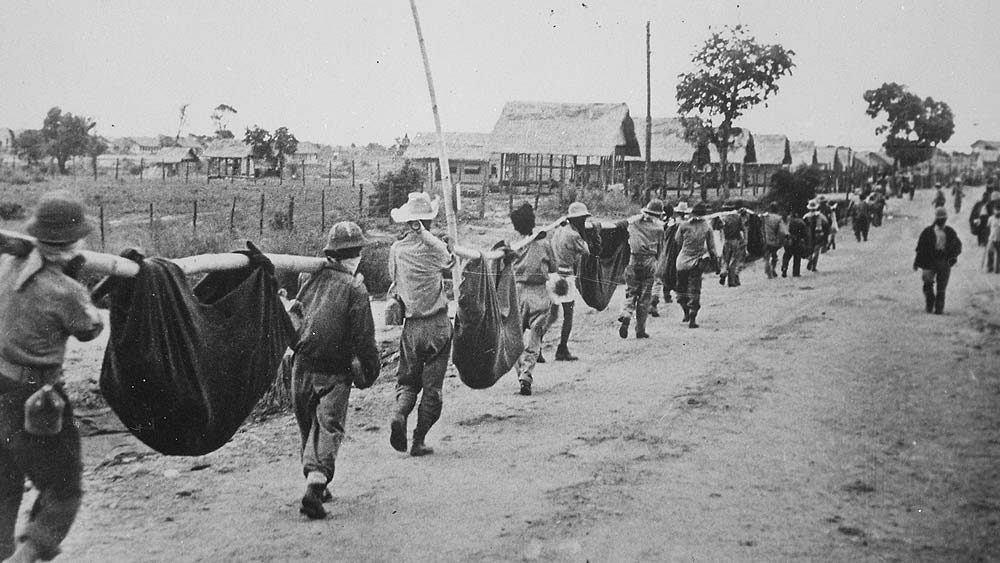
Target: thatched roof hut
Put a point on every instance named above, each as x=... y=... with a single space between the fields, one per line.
x=461 y=146
x=667 y=142
x=803 y=153
x=227 y=149
x=595 y=130
x=772 y=149
x=173 y=155
x=737 y=151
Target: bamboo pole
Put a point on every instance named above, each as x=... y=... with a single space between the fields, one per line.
x=446 y=185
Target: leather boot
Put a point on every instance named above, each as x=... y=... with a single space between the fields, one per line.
x=563 y=355
x=687 y=314
x=397 y=434
x=692 y=319
x=312 y=501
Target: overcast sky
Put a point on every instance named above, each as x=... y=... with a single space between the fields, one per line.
x=339 y=72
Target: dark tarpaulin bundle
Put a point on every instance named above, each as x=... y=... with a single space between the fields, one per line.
x=666 y=266
x=184 y=368
x=600 y=275
x=488 y=338
x=756 y=248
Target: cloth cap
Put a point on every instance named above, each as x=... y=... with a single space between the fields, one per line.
x=418 y=207
x=59 y=218
x=577 y=209
x=940 y=213
x=654 y=207
x=345 y=234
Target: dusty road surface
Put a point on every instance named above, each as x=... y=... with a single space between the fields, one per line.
x=821 y=418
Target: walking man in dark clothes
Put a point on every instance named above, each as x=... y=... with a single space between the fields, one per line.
x=336 y=350
x=41 y=306
x=417 y=262
x=798 y=245
x=937 y=251
x=775 y=231
x=570 y=246
x=819 y=229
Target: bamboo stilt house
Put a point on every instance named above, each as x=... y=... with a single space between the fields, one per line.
x=467 y=156
x=770 y=153
x=803 y=153
x=673 y=160
x=542 y=143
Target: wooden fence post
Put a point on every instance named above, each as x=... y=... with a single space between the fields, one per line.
x=194 y=220
x=361 y=197
x=302 y=170
x=322 y=211
x=94 y=162
x=142 y=163
x=291 y=213
x=232 y=216
x=150 y=217
x=163 y=170
x=261 y=215
x=101 y=208
x=187 y=171
x=329 y=174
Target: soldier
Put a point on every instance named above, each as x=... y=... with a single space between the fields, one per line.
x=645 y=240
x=41 y=306
x=570 y=246
x=937 y=251
x=695 y=239
x=775 y=231
x=819 y=229
x=336 y=349
x=734 y=244
x=417 y=262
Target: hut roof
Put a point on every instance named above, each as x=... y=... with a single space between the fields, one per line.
x=772 y=149
x=826 y=155
x=988 y=145
x=229 y=148
x=305 y=147
x=461 y=146
x=174 y=155
x=737 y=152
x=145 y=141
x=559 y=128
x=803 y=152
x=190 y=142
x=667 y=142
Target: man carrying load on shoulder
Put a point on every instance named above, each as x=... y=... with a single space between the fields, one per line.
x=695 y=239
x=417 y=262
x=41 y=306
x=336 y=349
x=570 y=246
x=645 y=241
x=534 y=267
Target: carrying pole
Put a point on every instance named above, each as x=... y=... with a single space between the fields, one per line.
x=649 y=121
x=446 y=187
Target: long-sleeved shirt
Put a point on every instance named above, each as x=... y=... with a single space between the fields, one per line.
x=695 y=239
x=534 y=262
x=569 y=247
x=337 y=322
x=40 y=308
x=416 y=264
x=775 y=229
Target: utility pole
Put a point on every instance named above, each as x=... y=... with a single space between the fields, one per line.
x=649 y=119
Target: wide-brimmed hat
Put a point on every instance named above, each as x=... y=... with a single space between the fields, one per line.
x=418 y=207
x=699 y=209
x=577 y=209
x=59 y=218
x=820 y=198
x=813 y=205
x=940 y=213
x=682 y=207
x=654 y=207
x=345 y=234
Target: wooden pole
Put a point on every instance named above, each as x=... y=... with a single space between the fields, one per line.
x=291 y=213
x=150 y=216
x=442 y=149
x=361 y=199
x=649 y=118
x=101 y=208
x=116 y=169
x=485 y=187
x=163 y=170
x=329 y=174
x=261 y=229
x=232 y=216
x=302 y=170
x=352 y=173
x=94 y=162
x=141 y=166
x=194 y=218
x=322 y=211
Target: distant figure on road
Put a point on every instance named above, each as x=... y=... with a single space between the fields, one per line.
x=937 y=251
x=775 y=231
x=957 y=194
x=939 y=198
x=819 y=229
x=861 y=219
x=978 y=217
x=798 y=245
x=993 y=242
x=734 y=245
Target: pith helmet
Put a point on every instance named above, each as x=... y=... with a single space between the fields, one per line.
x=345 y=234
x=654 y=207
x=418 y=207
x=577 y=209
x=59 y=218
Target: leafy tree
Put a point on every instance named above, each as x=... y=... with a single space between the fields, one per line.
x=793 y=190
x=67 y=135
x=181 y=120
x=259 y=141
x=221 y=116
x=914 y=126
x=284 y=144
x=393 y=189
x=733 y=74
x=30 y=145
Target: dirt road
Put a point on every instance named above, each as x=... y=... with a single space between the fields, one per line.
x=821 y=418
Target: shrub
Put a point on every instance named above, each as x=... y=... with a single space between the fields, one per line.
x=280 y=221
x=375 y=266
x=11 y=211
x=793 y=190
x=392 y=190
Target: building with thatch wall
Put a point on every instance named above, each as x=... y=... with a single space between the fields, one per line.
x=173 y=159
x=803 y=153
x=672 y=159
x=542 y=142
x=835 y=159
x=6 y=139
x=767 y=154
x=468 y=160
x=306 y=153
x=229 y=158
x=140 y=145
